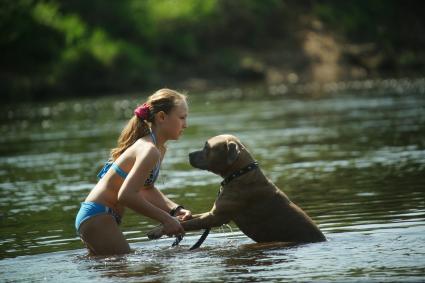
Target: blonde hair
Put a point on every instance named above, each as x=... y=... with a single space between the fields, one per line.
x=162 y=100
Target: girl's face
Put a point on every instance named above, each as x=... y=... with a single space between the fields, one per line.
x=175 y=121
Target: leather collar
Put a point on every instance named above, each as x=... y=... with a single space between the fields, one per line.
x=240 y=172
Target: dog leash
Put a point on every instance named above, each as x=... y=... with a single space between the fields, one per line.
x=200 y=240
x=198 y=243
x=179 y=238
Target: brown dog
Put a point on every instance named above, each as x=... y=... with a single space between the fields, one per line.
x=247 y=197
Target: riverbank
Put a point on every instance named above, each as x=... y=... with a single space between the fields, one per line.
x=317 y=56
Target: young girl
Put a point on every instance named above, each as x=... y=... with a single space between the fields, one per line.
x=128 y=180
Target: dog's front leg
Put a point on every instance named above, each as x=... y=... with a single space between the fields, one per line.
x=196 y=215
x=221 y=213
x=204 y=221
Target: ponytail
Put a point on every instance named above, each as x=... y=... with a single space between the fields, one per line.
x=144 y=115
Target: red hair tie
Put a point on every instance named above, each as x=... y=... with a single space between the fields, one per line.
x=143 y=111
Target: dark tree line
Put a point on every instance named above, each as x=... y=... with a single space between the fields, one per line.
x=60 y=47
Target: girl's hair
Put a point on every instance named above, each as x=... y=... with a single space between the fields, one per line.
x=162 y=100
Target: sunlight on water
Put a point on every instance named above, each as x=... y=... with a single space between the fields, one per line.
x=352 y=157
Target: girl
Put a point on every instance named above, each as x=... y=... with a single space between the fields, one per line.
x=128 y=180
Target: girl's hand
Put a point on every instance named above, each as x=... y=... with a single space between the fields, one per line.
x=172 y=227
x=183 y=214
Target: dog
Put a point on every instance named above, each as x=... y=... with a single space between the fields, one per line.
x=247 y=197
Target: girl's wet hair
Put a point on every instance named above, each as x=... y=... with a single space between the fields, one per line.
x=139 y=125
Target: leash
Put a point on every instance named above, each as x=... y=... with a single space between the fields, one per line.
x=227 y=180
x=179 y=238
x=198 y=243
x=201 y=239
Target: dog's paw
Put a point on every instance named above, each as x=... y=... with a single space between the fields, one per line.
x=155 y=233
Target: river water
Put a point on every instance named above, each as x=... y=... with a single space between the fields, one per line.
x=352 y=156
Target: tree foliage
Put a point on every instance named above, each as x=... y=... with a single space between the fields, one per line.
x=51 y=47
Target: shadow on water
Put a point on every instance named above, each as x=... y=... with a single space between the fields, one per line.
x=353 y=158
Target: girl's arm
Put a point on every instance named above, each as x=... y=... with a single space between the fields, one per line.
x=129 y=193
x=157 y=198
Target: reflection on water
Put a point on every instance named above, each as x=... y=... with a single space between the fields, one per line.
x=378 y=256
x=353 y=158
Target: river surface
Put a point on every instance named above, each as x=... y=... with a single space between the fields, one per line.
x=352 y=156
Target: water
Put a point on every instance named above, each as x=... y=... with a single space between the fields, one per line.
x=352 y=157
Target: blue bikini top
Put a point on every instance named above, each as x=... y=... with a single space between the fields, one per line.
x=150 y=180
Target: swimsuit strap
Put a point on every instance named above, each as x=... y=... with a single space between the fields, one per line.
x=155 y=171
x=104 y=169
x=153 y=137
x=119 y=171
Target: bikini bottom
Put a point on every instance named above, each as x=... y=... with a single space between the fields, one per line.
x=90 y=209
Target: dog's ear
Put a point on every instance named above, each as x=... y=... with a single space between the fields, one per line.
x=232 y=152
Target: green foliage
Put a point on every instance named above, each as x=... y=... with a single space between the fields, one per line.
x=360 y=20
x=80 y=47
x=382 y=21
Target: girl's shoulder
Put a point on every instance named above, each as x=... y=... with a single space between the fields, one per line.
x=143 y=147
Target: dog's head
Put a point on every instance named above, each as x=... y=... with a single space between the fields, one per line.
x=218 y=154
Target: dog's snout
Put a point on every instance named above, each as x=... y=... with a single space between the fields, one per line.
x=192 y=156
x=196 y=160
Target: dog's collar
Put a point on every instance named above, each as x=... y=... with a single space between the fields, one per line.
x=240 y=172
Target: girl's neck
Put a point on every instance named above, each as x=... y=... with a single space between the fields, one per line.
x=160 y=140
